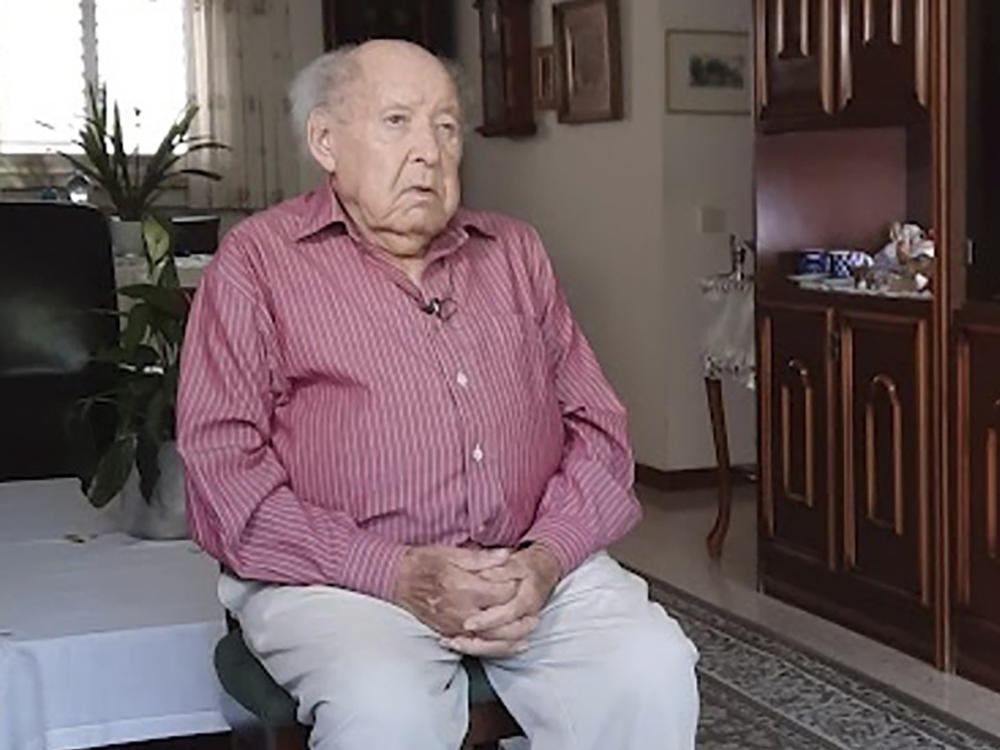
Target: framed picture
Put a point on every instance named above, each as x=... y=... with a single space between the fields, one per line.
x=588 y=55
x=543 y=74
x=428 y=23
x=708 y=72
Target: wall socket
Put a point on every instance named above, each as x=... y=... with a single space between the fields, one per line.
x=711 y=220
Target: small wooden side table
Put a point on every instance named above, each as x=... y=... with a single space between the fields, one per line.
x=728 y=351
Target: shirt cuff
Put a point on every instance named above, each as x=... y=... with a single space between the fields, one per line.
x=569 y=545
x=370 y=565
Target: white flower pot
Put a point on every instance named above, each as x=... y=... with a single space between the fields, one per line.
x=164 y=516
x=126 y=238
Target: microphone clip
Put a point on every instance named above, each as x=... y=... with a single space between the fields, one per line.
x=433 y=307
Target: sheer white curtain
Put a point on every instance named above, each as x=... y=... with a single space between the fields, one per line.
x=240 y=64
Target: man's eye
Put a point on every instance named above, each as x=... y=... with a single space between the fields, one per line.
x=395 y=120
x=448 y=127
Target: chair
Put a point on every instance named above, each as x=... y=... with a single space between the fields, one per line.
x=57 y=270
x=276 y=728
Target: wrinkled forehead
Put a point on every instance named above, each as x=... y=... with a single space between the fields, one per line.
x=392 y=80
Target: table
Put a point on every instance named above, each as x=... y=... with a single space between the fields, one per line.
x=133 y=269
x=728 y=351
x=103 y=638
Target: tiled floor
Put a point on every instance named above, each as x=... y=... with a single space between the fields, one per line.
x=670 y=544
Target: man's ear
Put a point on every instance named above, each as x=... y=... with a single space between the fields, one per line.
x=321 y=139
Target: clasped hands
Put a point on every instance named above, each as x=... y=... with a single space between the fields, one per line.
x=481 y=602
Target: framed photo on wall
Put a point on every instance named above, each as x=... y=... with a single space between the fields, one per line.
x=588 y=60
x=708 y=72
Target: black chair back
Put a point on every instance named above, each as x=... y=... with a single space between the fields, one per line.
x=56 y=273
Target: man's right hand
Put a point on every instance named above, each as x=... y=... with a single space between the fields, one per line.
x=441 y=587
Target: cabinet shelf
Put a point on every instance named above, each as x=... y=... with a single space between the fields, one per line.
x=822 y=65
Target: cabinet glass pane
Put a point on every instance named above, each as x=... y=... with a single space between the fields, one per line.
x=983 y=155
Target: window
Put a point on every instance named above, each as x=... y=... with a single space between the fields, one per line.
x=51 y=49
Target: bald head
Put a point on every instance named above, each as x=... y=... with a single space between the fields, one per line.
x=387 y=128
x=331 y=79
x=381 y=57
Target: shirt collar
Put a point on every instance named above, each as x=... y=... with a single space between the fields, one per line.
x=323 y=209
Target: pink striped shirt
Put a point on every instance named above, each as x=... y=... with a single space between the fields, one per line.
x=326 y=421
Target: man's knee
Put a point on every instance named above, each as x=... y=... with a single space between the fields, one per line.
x=382 y=703
x=376 y=688
x=655 y=661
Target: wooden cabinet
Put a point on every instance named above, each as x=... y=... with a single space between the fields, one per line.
x=797 y=401
x=977 y=552
x=886 y=484
x=846 y=511
x=911 y=453
x=842 y=63
x=979 y=196
x=795 y=59
x=883 y=61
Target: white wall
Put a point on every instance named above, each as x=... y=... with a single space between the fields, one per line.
x=707 y=162
x=616 y=204
x=594 y=193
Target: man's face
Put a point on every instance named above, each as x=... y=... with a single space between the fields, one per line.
x=397 y=146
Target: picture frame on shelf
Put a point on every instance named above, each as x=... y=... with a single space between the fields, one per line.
x=588 y=60
x=543 y=74
x=708 y=72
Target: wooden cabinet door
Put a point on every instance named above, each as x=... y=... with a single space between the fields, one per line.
x=883 y=61
x=794 y=64
x=796 y=380
x=887 y=468
x=977 y=549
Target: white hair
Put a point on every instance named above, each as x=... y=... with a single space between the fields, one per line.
x=325 y=83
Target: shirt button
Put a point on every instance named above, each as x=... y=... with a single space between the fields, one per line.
x=462 y=379
x=477 y=454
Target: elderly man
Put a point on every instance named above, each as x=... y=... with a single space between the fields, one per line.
x=402 y=449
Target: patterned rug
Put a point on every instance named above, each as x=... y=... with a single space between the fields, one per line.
x=761 y=692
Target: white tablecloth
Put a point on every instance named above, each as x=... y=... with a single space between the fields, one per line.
x=189 y=270
x=105 y=640
x=728 y=345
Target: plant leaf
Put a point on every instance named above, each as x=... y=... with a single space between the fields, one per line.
x=144 y=356
x=136 y=328
x=112 y=471
x=156 y=413
x=156 y=168
x=209 y=175
x=167 y=275
x=157 y=239
x=171 y=378
x=171 y=301
x=82 y=166
x=120 y=156
x=147 y=451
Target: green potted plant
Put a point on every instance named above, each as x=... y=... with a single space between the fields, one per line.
x=133 y=182
x=140 y=462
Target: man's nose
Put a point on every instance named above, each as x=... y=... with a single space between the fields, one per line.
x=426 y=147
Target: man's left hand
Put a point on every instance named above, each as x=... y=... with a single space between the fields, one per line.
x=493 y=631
